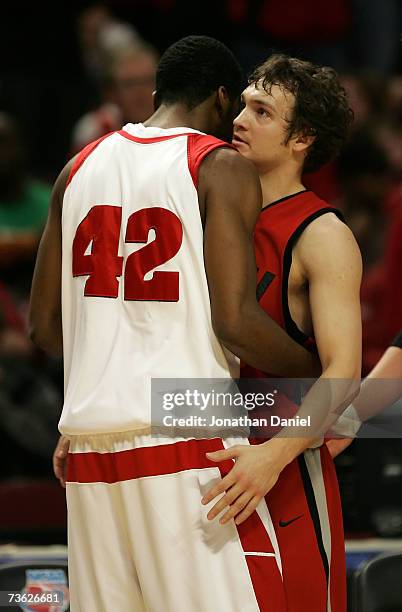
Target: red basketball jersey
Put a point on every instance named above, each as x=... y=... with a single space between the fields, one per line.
x=312 y=545
x=277 y=231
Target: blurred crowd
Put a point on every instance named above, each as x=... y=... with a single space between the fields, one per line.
x=118 y=48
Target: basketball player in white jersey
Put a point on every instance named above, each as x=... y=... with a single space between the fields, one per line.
x=146 y=270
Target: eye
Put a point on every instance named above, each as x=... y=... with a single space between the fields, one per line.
x=262 y=112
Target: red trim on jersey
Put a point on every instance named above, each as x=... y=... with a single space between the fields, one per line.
x=82 y=156
x=177 y=457
x=288 y=197
x=198 y=147
x=151 y=140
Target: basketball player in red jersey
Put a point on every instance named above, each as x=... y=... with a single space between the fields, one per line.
x=139 y=538
x=295 y=118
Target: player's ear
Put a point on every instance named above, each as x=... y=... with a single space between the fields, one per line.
x=222 y=101
x=303 y=141
x=155 y=99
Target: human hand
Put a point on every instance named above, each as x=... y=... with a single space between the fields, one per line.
x=60 y=459
x=255 y=471
x=337 y=445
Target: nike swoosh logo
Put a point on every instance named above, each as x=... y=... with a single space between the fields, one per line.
x=286 y=523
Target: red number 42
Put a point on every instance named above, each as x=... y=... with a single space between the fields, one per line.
x=103 y=265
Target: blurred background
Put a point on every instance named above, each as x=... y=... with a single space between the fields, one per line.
x=75 y=71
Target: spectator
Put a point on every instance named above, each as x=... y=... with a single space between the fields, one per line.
x=23 y=201
x=101 y=34
x=128 y=84
x=30 y=401
x=13 y=339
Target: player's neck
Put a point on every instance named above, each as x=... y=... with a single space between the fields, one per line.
x=176 y=115
x=277 y=184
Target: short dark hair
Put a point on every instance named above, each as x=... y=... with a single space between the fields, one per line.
x=321 y=107
x=193 y=68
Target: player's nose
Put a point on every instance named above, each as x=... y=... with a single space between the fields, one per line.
x=240 y=123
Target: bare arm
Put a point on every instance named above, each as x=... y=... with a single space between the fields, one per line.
x=381 y=388
x=45 y=305
x=331 y=261
x=376 y=394
x=229 y=189
x=60 y=456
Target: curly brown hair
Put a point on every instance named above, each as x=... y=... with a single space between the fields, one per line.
x=321 y=107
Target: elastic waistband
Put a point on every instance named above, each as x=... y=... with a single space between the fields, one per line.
x=107 y=442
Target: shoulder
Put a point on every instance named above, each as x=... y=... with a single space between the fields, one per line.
x=327 y=227
x=228 y=183
x=64 y=176
x=227 y=163
x=328 y=242
x=61 y=184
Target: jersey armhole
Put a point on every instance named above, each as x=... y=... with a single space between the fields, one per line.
x=397 y=341
x=82 y=156
x=198 y=147
x=290 y=325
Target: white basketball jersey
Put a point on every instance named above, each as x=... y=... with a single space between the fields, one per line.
x=135 y=301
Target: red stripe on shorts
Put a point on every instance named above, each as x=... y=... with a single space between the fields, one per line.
x=264 y=572
x=177 y=457
x=144 y=461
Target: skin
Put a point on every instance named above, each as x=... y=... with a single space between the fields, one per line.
x=324 y=285
x=134 y=82
x=230 y=202
x=368 y=403
x=60 y=460
x=45 y=326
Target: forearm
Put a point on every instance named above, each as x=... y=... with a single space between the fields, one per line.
x=45 y=304
x=376 y=395
x=322 y=405
x=45 y=326
x=48 y=335
x=258 y=341
x=382 y=387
